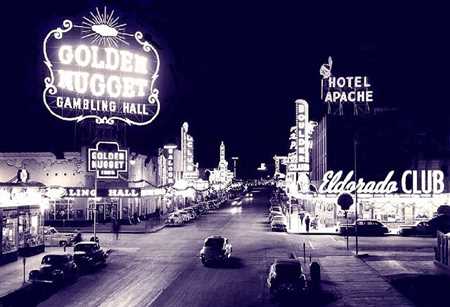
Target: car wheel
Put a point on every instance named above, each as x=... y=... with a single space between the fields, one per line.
x=62 y=243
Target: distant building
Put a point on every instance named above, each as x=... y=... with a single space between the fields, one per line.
x=221 y=175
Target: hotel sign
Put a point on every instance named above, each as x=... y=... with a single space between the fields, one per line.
x=96 y=69
x=108 y=160
x=348 y=89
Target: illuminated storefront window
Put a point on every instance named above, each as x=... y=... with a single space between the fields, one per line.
x=9 y=235
x=61 y=210
x=30 y=230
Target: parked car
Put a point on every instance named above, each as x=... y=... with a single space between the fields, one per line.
x=186 y=217
x=215 y=249
x=279 y=223
x=427 y=228
x=53 y=237
x=191 y=211
x=174 y=219
x=440 y=222
x=56 y=269
x=89 y=255
x=286 y=278
x=365 y=228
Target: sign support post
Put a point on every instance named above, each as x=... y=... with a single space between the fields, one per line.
x=95 y=207
x=355 y=143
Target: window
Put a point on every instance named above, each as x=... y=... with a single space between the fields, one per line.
x=9 y=235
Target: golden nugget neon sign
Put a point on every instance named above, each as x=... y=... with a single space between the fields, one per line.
x=96 y=70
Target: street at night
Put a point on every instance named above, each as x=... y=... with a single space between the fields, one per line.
x=163 y=268
x=173 y=153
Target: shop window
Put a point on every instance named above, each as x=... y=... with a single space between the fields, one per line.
x=61 y=210
x=30 y=228
x=9 y=234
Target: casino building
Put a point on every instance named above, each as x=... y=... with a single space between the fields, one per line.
x=68 y=187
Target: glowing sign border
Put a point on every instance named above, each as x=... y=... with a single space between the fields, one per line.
x=50 y=87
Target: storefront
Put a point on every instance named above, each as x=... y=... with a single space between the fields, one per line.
x=72 y=206
x=393 y=209
x=21 y=221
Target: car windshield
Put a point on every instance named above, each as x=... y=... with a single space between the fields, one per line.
x=84 y=247
x=214 y=242
x=288 y=270
x=54 y=259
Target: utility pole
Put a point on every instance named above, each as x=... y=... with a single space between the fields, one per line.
x=355 y=150
x=235 y=159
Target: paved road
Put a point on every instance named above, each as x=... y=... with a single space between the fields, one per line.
x=163 y=269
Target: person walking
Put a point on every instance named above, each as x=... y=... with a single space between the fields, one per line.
x=116 y=228
x=301 y=215
x=307 y=222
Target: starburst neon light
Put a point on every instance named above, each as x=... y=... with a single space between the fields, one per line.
x=103 y=29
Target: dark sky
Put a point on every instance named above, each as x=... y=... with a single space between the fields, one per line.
x=233 y=69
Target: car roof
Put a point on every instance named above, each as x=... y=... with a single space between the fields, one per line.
x=287 y=262
x=56 y=254
x=215 y=237
x=86 y=243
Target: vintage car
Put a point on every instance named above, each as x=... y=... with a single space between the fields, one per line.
x=216 y=249
x=365 y=228
x=56 y=269
x=53 y=237
x=279 y=223
x=427 y=228
x=286 y=278
x=89 y=255
x=174 y=219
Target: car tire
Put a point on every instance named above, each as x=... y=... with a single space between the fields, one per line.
x=62 y=243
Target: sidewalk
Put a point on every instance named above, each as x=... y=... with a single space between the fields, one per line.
x=354 y=283
x=297 y=228
x=12 y=273
x=143 y=227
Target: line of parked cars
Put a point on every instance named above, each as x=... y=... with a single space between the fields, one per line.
x=58 y=269
x=277 y=217
x=188 y=214
x=370 y=227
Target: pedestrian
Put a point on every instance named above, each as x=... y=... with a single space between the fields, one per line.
x=301 y=216
x=116 y=228
x=307 y=221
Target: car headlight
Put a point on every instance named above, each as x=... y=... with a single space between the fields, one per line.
x=57 y=272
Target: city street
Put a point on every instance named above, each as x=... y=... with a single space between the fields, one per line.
x=163 y=268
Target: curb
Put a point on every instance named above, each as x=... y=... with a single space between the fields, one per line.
x=156 y=229
x=313 y=233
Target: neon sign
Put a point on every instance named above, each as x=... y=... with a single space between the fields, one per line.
x=112 y=192
x=421 y=182
x=108 y=160
x=96 y=70
x=339 y=90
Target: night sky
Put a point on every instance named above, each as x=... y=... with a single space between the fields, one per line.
x=233 y=70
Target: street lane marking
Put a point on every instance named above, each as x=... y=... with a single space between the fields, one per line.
x=333 y=238
x=311 y=245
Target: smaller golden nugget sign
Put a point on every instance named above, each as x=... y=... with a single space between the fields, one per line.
x=108 y=160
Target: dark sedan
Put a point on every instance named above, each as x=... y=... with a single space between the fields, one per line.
x=56 y=269
x=365 y=228
x=438 y=223
x=215 y=249
x=286 y=278
x=89 y=255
